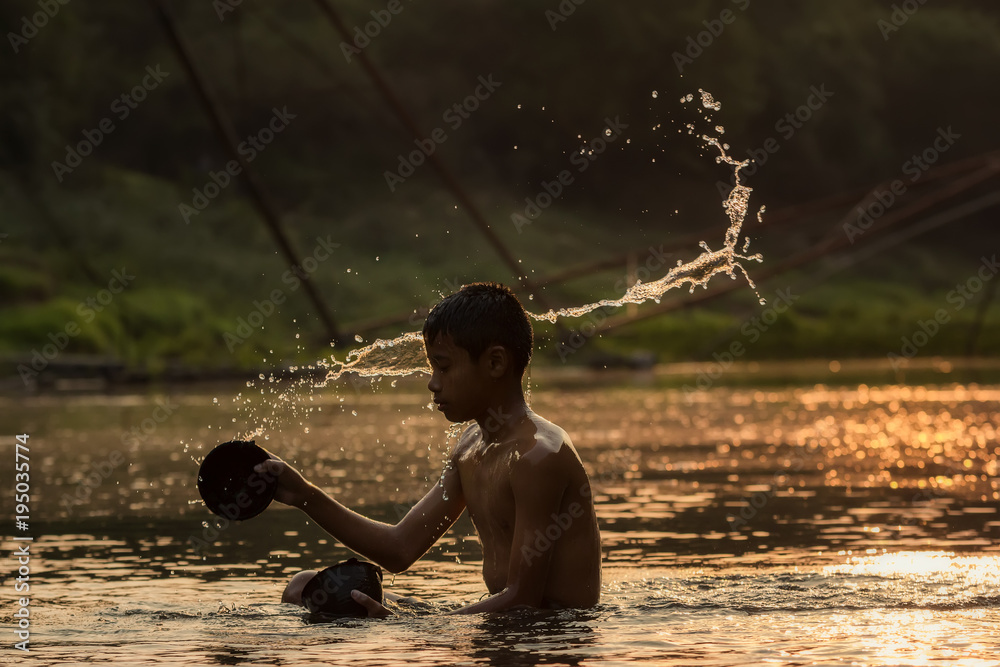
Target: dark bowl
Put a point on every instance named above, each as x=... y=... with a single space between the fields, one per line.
x=228 y=484
x=329 y=592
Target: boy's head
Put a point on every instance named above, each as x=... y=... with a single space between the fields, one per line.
x=481 y=315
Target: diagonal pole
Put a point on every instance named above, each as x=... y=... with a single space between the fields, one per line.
x=442 y=170
x=227 y=134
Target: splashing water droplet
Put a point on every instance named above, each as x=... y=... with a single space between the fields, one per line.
x=655 y=94
x=708 y=101
x=405 y=355
x=358 y=338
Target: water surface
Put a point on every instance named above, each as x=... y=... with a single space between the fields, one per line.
x=818 y=523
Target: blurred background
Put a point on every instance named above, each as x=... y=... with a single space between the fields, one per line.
x=127 y=251
x=221 y=189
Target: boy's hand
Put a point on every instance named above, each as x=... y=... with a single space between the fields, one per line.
x=373 y=607
x=293 y=489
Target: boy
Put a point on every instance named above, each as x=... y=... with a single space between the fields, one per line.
x=518 y=474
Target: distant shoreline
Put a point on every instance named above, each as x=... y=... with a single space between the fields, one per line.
x=98 y=374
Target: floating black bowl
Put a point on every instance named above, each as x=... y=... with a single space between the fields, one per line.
x=329 y=592
x=229 y=485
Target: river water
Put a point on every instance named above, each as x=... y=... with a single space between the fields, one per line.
x=797 y=518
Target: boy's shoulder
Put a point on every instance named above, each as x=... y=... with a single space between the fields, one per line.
x=533 y=433
x=540 y=432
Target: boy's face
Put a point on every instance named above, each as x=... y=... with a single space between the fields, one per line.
x=459 y=383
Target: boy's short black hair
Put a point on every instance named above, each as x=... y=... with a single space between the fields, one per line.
x=480 y=315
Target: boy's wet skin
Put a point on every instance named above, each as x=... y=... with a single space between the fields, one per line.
x=518 y=474
x=486 y=472
x=511 y=449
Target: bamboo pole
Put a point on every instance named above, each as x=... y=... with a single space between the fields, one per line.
x=446 y=175
x=227 y=135
x=840 y=241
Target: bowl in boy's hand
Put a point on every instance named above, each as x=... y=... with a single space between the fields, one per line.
x=329 y=592
x=229 y=485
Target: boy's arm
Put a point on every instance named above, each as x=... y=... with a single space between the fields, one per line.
x=538 y=488
x=393 y=547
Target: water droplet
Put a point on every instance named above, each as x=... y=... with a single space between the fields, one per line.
x=655 y=94
x=607 y=132
x=358 y=338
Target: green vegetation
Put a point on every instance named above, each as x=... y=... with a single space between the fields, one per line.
x=196 y=282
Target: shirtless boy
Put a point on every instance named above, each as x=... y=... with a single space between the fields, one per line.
x=517 y=473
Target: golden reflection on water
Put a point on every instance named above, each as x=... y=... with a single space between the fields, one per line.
x=908 y=437
x=819 y=523
x=973 y=570
x=748 y=472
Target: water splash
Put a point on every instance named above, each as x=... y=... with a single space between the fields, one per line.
x=700 y=270
x=405 y=355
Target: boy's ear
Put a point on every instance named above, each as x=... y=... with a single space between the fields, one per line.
x=497 y=360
